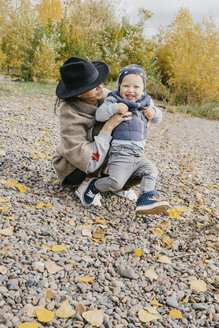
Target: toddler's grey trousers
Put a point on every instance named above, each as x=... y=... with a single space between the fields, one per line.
x=124 y=161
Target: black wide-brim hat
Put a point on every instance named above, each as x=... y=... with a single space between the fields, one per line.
x=79 y=76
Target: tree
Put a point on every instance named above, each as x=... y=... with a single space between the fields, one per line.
x=49 y=11
x=188 y=60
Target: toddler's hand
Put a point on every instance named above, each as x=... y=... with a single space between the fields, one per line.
x=149 y=113
x=122 y=108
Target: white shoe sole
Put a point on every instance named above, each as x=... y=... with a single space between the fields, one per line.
x=153 y=208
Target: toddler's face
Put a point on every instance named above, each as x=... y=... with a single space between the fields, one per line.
x=132 y=87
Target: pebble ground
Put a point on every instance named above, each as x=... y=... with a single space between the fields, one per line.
x=185 y=151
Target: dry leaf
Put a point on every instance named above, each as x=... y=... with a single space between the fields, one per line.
x=167 y=240
x=147 y=317
x=198 y=285
x=28 y=325
x=155 y=302
x=10 y=218
x=165 y=224
x=100 y=240
x=185 y=300
x=138 y=252
x=47 y=247
x=3 y=269
x=151 y=274
x=151 y=310
x=164 y=259
x=44 y=315
x=65 y=310
x=86 y=279
x=21 y=187
x=158 y=232
x=11 y=183
x=98 y=234
x=49 y=293
x=6 y=231
x=58 y=248
x=40 y=205
x=56 y=181
x=52 y=267
x=2 y=200
x=4 y=209
x=174 y=213
x=177 y=314
x=95 y=318
x=100 y=221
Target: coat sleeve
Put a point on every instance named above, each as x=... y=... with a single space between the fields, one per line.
x=106 y=110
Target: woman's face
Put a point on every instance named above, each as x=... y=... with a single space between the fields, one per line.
x=93 y=95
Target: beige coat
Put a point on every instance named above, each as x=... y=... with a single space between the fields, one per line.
x=76 y=147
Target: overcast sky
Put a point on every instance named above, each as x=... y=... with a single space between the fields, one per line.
x=165 y=10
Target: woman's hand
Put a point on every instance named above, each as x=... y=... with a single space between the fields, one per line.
x=149 y=113
x=115 y=120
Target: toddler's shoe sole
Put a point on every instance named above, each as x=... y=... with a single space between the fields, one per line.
x=155 y=208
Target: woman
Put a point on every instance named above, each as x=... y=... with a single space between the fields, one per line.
x=81 y=154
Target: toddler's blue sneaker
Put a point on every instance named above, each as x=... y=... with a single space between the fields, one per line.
x=147 y=205
x=89 y=193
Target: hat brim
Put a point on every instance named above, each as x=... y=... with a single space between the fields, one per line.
x=65 y=92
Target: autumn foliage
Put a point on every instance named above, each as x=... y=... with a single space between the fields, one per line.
x=181 y=63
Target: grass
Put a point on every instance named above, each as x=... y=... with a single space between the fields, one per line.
x=10 y=88
x=208 y=111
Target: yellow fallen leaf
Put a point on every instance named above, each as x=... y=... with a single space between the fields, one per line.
x=56 y=181
x=47 y=247
x=151 y=310
x=154 y=302
x=164 y=259
x=28 y=325
x=165 y=224
x=212 y=186
x=10 y=218
x=100 y=221
x=48 y=205
x=185 y=300
x=205 y=261
x=86 y=279
x=52 y=267
x=158 y=232
x=177 y=314
x=151 y=274
x=40 y=205
x=44 y=315
x=2 y=200
x=167 y=187
x=168 y=241
x=49 y=293
x=7 y=232
x=11 y=183
x=4 y=209
x=199 y=224
x=198 y=285
x=95 y=317
x=21 y=187
x=146 y=317
x=98 y=234
x=100 y=240
x=174 y=213
x=138 y=252
x=58 y=248
x=65 y=311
